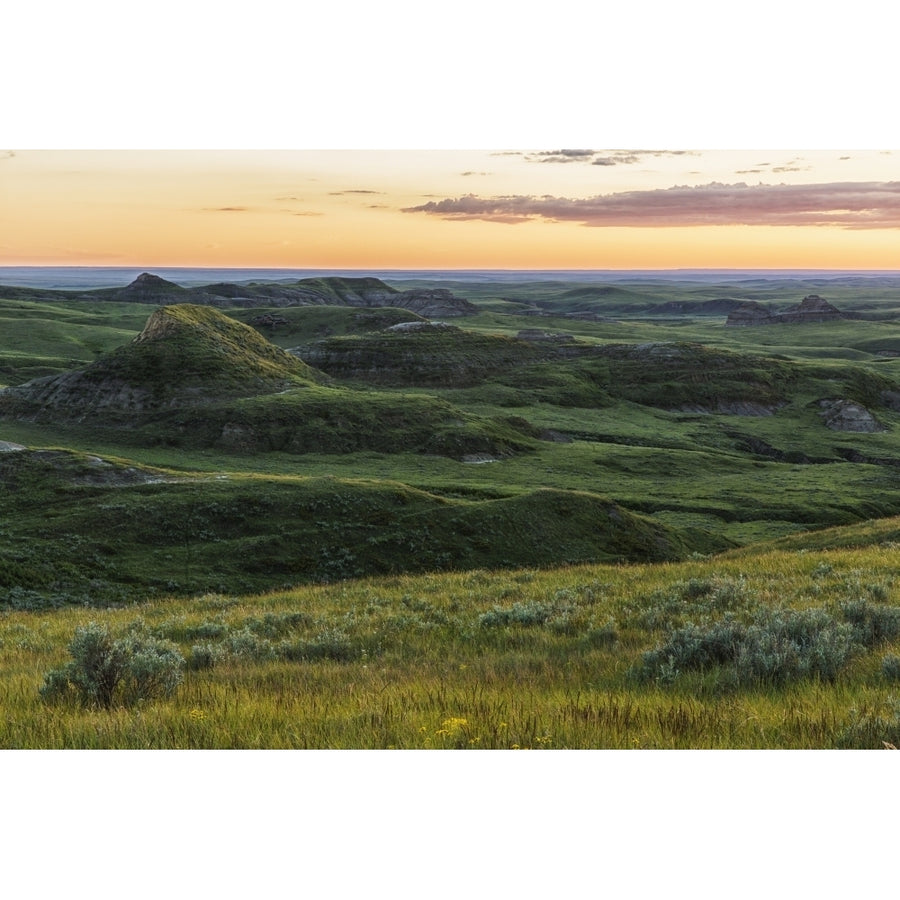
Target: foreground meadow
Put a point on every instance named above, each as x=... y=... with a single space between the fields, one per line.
x=781 y=649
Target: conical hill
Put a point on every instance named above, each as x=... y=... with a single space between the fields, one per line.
x=185 y=355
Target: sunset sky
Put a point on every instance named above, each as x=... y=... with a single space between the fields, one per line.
x=548 y=208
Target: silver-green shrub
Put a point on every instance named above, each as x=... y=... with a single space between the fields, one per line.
x=137 y=666
x=778 y=646
x=153 y=667
x=890 y=667
x=525 y=614
x=873 y=623
x=246 y=645
x=205 y=656
x=784 y=645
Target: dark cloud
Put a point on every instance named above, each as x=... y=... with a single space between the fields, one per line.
x=474 y=173
x=307 y=213
x=843 y=157
x=789 y=168
x=7 y=154
x=507 y=153
x=747 y=171
x=604 y=157
x=852 y=205
x=620 y=159
x=226 y=209
x=563 y=156
x=341 y=193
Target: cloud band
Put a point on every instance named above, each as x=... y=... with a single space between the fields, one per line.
x=852 y=205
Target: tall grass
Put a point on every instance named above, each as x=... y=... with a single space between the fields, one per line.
x=484 y=660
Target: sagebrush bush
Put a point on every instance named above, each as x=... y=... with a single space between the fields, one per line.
x=694 y=647
x=329 y=644
x=153 y=667
x=525 y=614
x=134 y=667
x=871 y=728
x=205 y=656
x=247 y=645
x=784 y=645
x=890 y=667
x=873 y=623
x=779 y=645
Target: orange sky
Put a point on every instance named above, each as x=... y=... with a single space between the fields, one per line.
x=379 y=209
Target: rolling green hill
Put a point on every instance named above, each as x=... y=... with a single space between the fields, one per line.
x=195 y=377
x=726 y=437
x=92 y=531
x=184 y=355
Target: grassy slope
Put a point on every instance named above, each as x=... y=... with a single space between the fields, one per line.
x=38 y=339
x=483 y=659
x=81 y=530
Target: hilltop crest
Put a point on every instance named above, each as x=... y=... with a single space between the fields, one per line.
x=159 y=326
x=184 y=355
x=146 y=281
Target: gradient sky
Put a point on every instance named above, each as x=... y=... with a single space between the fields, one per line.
x=543 y=208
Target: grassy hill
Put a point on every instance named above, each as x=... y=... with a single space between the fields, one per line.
x=93 y=531
x=184 y=355
x=194 y=377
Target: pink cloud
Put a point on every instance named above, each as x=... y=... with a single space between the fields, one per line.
x=844 y=204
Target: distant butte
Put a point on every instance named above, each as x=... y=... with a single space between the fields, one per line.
x=811 y=308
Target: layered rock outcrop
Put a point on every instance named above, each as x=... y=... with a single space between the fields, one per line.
x=845 y=415
x=811 y=308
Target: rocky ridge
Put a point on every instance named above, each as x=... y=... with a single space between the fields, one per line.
x=332 y=291
x=845 y=415
x=811 y=308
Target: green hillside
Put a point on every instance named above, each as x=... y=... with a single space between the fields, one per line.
x=92 y=531
x=184 y=355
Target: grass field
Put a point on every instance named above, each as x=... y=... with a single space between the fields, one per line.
x=783 y=648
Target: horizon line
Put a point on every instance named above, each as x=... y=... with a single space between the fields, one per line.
x=450 y=268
